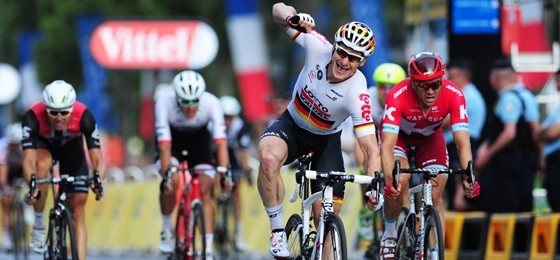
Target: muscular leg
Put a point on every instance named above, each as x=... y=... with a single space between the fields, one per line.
x=273 y=152
x=44 y=165
x=437 y=196
x=77 y=202
x=207 y=193
x=167 y=196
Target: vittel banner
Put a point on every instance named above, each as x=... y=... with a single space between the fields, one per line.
x=153 y=44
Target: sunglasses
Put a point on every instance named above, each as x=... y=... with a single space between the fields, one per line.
x=56 y=112
x=188 y=102
x=344 y=54
x=423 y=85
x=385 y=87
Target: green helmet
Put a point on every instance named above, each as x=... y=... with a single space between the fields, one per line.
x=388 y=74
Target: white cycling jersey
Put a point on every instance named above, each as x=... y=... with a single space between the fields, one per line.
x=169 y=115
x=319 y=106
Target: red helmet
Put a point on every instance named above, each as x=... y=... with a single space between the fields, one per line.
x=425 y=66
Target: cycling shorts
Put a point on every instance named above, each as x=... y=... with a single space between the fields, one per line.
x=71 y=159
x=327 y=151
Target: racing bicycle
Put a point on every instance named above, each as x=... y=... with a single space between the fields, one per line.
x=61 y=238
x=224 y=226
x=421 y=236
x=302 y=241
x=18 y=225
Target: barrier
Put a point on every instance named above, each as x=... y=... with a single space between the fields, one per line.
x=545 y=237
x=453 y=230
x=500 y=236
x=523 y=229
x=473 y=236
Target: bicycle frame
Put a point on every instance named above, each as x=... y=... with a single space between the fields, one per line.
x=425 y=190
x=327 y=208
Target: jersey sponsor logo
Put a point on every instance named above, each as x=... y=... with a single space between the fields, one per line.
x=312 y=75
x=463 y=112
x=26 y=132
x=366 y=107
x=396 y=95
x=430 y=119
x=454 y=90
x=389 y=113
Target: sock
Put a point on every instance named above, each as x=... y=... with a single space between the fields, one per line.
x=209 y=240
x=166 y=221
x=434 y=253
x=275 y=217
x=39 y=221
x=238 y=228
x=390 y=227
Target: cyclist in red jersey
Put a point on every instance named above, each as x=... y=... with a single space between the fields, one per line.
x=414 y=112
x=56 y=129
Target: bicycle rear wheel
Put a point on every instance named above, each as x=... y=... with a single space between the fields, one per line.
x=406 y=241
x=335 y=239
x=294 y=236
x=433 y=235
x=181 y=234
x=18 y=231
x=61 y=237
x=197 y=247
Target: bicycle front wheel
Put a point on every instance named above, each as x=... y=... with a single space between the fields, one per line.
x=18 y=231
x=294 y=236
x=61 y=239
x=406 y=241
x=433 y=235
x=335 y=239
x=198 y=233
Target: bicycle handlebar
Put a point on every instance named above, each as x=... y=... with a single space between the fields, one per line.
x=429 y=173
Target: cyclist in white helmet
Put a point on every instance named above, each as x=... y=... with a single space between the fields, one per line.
x=329 y=89
x=182 y=118
x=55 y=129
x=10 y=172
x=239 y=143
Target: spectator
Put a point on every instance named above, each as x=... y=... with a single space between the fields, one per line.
x=507 y=158
x=549 y=135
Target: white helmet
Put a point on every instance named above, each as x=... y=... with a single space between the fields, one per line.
x=59 y=94
x=189 y=85
x=230 y=105
x=14 y=133
x=357 y=36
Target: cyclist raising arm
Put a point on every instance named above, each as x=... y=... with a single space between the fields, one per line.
x=56 y=129
x=329 y=89
x=182 y=133
x=414 y=112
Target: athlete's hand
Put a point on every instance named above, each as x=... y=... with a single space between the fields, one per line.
x=97 y=186
x=32 y=197
x=471 y=191
x=302 y=22
x=390 y=192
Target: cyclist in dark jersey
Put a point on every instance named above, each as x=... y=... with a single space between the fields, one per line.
x=55 y=129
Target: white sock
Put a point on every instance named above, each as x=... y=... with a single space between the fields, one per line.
x=238 y=227
x=275 y=217
x=166 y=221
x=209 y=240
x=39 y=221
x=390 y=227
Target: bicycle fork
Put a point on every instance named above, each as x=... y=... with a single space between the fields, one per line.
x=426 y=201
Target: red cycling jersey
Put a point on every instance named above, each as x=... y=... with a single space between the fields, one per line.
x=402 y=111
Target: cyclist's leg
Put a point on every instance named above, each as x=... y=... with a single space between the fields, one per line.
x=6 y=202
x=43 y=164
x=207 y=181
x=236 y=197
x=77 y=202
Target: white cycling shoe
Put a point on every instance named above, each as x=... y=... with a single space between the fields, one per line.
x=167 y=243
x=277 y=246
x=37 y=243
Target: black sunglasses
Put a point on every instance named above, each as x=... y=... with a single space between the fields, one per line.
x=423 y=85
x=55 y=113
x=344 y=54
x=188 y=102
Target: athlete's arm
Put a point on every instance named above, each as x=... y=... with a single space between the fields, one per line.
x=91 y=135
x=163 y=134
x=30 y=128
x=387 y=154
x=372 y=162
x=463 y=144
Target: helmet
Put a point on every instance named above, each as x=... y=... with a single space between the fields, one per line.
x=357 y=36
x=230 y=105
x=189 y=85
x=59 y=94
x=388 y=73
x=14 y=133
x=425 y=66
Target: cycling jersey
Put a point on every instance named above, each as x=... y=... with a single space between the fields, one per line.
x=66 y=145
x=11 y=156
x=320 y=106
x=476 y=110
x=190 y=139
x=404 y=114
x=239 y=137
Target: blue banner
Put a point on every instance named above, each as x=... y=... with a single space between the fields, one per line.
x=95 y=77
x=371 y=12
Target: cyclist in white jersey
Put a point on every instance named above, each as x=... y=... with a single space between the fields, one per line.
x=329 y=89
x=181 y=120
